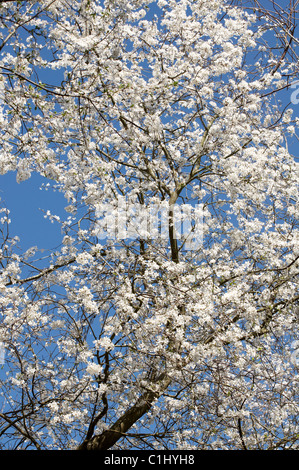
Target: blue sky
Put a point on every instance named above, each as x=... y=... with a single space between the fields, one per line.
x=26 y=202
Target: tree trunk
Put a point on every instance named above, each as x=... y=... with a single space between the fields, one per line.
x=109 y=437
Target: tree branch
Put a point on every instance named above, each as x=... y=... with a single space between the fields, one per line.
x=109 y=437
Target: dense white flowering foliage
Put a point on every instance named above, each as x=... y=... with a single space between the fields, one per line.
x=141 y=342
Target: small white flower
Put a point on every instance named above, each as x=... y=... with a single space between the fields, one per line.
x=94 y=369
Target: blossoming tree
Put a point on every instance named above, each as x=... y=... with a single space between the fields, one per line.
x=144 y=339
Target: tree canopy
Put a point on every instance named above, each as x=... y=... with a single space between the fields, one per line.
x=167 y=317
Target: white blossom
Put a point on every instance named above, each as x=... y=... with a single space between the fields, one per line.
x=182 y=334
